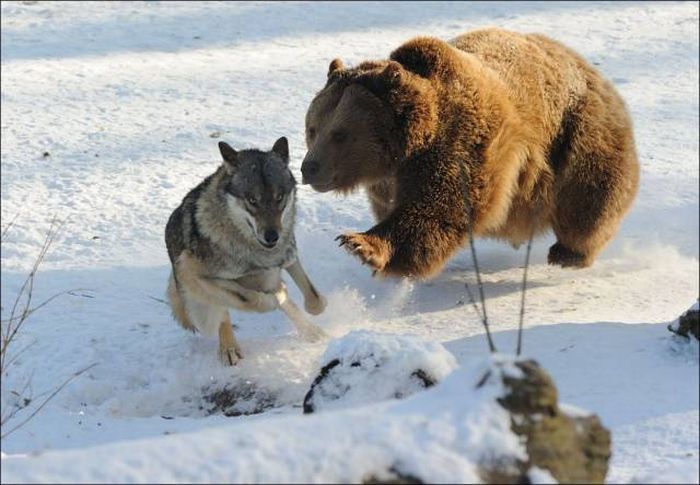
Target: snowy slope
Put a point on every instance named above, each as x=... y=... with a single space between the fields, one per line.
x=125 y=97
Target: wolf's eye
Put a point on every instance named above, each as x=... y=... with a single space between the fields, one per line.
x=252 y=201
x=279 y=198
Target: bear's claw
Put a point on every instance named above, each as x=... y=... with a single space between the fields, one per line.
x=366 y=248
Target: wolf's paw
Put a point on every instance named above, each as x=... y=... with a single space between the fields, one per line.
x=315 y=306
x=371 y=250
x=311 y=333
x=230 y=356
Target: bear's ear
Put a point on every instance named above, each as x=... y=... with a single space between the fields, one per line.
x=393 y=72
x=424 y=56
x=336 y=65
x=229 y=154
x=281 y=148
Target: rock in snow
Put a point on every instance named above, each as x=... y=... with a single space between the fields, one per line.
x=688 y=324
x=365 y=367
x=572 y=448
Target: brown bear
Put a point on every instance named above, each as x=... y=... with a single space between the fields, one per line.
x=496 y=132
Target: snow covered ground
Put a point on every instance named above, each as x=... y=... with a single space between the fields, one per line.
x=127 y=98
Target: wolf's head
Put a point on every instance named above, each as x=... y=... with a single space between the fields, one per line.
x=259 y=190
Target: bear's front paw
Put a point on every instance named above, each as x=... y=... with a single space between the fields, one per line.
x=371 y=250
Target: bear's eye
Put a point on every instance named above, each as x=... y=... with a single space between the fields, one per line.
x=278 y=198
x=312 y=132
x=339 y=136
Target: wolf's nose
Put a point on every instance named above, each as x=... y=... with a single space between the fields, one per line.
x=271 y=237
x=310 y=168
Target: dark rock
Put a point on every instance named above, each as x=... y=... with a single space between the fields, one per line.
x=308 y=399
x=688 y=324
x=573 y=449
x=396 y=477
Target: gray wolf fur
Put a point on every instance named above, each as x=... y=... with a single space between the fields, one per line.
x=228 y=242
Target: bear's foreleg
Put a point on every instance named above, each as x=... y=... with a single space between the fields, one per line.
x=415 y=240
x=372 y=250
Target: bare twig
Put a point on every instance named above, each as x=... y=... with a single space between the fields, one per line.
x=23 y=396
x=26 y=314
x=8 y=227
x=17 y=354
x=484 y=318
x=472 y=300
x=22 y=306
x=46 y=401
x=22 y=309
x=522 y=294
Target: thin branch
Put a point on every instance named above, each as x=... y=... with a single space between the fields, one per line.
x=522 y=293
x=16 y=355
x=49 y=398
x=157 y=299
x=485 y=319
x=8 y=227
x=39 y=306
x=472 y=300
x=20 y=395
x=21 y=308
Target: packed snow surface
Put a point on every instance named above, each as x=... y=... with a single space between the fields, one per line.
x=111 y=112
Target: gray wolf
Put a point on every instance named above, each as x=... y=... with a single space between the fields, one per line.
x=229 y=241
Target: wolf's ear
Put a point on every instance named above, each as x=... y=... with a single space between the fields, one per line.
x=336 y=65
x=230 y=155
x=281 y=148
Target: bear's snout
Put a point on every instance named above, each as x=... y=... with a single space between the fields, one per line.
x=314 y=174
x=309 y=169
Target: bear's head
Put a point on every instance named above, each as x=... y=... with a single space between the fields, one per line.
x=364 y=122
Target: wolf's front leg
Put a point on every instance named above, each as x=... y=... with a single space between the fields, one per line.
x=229 y=349
x=314 y=302
x=307 y=330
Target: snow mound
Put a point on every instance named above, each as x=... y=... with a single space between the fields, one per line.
x=441 y=435
x=365 y=367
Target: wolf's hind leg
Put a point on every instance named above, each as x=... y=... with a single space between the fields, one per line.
x=229 y=350
x=314 y=302
x=306 y=329
x=177 y=305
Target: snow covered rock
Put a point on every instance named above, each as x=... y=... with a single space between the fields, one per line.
x=496 y=422
x=569 y=444
x=364 y=367
x=688 y=323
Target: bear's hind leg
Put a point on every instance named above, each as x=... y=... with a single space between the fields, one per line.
x=595 y=183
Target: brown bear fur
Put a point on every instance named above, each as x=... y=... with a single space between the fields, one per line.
x=512 y=134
